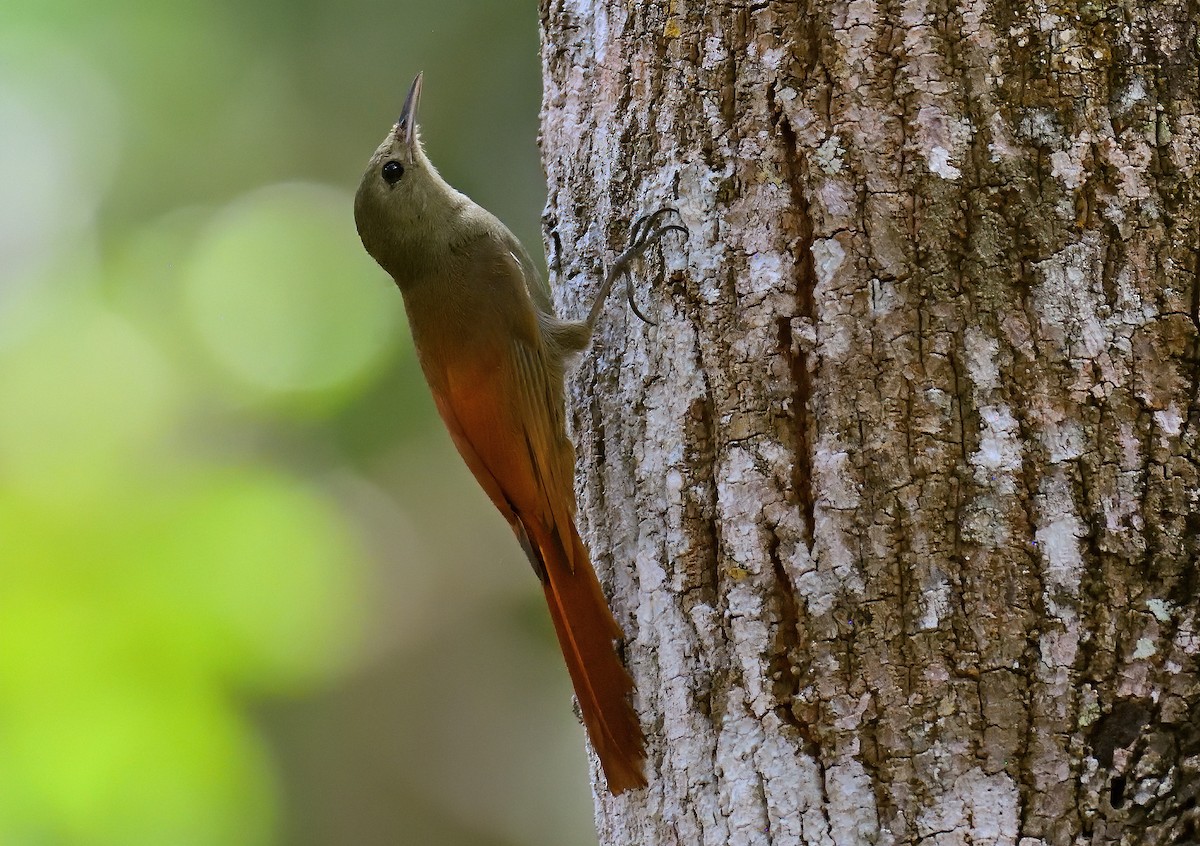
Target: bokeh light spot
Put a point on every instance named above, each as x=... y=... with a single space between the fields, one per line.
x=271 y=297
x=82 y=396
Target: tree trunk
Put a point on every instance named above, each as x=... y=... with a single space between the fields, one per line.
x=897 y=502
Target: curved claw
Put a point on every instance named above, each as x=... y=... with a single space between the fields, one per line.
x=635 y=232
x=645 y=238
x=633 y=306
x=670 y=227
x=642 y=234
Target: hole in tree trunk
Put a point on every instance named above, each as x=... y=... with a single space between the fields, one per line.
x=1116 y=796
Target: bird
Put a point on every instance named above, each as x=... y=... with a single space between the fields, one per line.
x=495 y=357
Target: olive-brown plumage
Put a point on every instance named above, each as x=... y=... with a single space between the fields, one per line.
x=494 y=354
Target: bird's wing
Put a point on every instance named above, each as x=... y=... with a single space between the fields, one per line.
x=500 y=393
x=497 y=413
x=503 y=404
x=535 y=282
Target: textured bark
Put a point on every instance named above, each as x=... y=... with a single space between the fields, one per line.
x=897 y=502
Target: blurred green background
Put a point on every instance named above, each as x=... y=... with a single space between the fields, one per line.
x=248 y=592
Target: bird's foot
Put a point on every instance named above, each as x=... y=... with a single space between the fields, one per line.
x=642 y=235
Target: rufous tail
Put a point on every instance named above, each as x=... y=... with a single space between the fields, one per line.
x=586 y=632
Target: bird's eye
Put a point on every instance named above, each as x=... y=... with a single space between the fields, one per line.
x=392 y=171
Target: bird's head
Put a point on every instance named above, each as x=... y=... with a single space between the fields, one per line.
x=402 y=203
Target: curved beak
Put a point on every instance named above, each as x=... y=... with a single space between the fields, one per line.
x=406 y=125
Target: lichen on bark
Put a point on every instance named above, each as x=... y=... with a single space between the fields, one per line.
x=896 y=501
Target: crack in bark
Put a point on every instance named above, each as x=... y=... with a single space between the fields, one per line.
x=787 y=646
x=797 y=354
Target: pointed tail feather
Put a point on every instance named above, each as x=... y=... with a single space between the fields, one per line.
x=586 y=631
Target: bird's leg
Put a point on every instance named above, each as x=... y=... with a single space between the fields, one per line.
x=642 y=235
